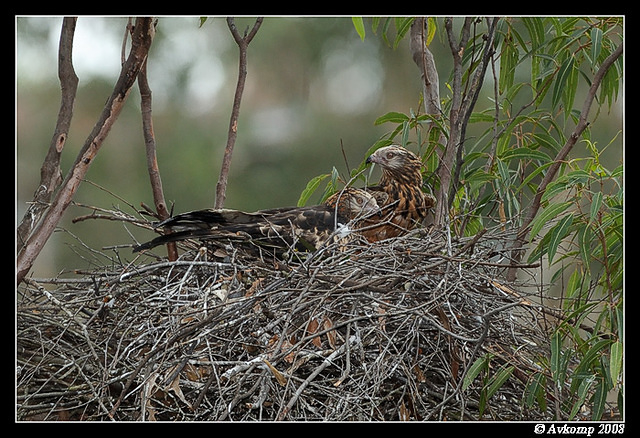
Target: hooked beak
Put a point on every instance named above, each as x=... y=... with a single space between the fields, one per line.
x=373 y=158
x=375 y=211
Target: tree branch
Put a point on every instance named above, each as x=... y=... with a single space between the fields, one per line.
x=532 y=211
x=50 y=173
x=444 y=172
x=152 y=158
x=469 y=102
x=423 y=58
x=243 y=44
x=140 y=44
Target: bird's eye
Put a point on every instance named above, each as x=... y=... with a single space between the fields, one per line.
x=390 y=155
x=359 y=201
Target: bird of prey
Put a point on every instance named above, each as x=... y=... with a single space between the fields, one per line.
x=399 y=193
x=305 y=228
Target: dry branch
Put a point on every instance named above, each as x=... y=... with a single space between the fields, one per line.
x=140 y=43
x=243 y=45
x=50 y=173
x=152 y=160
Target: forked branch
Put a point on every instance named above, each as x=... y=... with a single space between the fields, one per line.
x=50 y=173
x=140 y=43
x=243 y=44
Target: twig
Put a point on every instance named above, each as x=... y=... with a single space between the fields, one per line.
x=351 y=333
x=469 y=102
x=477 y=344
x=152 y=159
x=425 y=61
x=243 y=44
x=325 y=363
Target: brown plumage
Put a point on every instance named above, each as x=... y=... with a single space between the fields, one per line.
x=399 y=194
x=306 y=228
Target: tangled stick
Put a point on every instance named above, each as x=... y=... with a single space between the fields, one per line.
x=382 y=331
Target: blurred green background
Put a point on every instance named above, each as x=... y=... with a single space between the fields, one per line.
x=312 y=84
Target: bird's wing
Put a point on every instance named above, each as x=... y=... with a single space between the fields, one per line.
x=215 y=218
x=306 y=228
x=287 y=226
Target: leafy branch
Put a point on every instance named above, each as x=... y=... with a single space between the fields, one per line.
x=531 y=212
x=518 y=173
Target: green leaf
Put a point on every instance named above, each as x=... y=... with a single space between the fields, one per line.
x=596 y=44
x=561 y=81
x=596 y=202
x=479 y=177
x=311 y=187
x=431 y=30
x=405 y=134
x=393 y=117
x=558 y=365
x=580 y=312
x=592 y=355
x=481 y=117
x=332 y=185
x=498 y=380
x=558 y=233
x=480 y=364
x=512 y=93
x=599 y=400
x=583 y=392
x=578 y=177
x=402 y=27
x=548 y=141
x=615 y=361
x=574 y=284
x=535 y=27
x=534 y=173
x=569 y=93
x=375 y=21
x=535 y=391
x=585 y=237
x=473 y=227
x=358 y=23
x=620 y=319
x=551 y=212
x=508 y=61
x=525 y=153
x=555 y=188
x=385 y=30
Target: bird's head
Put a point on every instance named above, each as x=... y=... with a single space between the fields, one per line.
x=398 y=163
x=354 y=203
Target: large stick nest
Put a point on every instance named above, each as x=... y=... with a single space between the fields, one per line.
x=384 y=331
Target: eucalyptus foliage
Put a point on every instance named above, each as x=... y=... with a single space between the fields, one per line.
x=540 y=70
